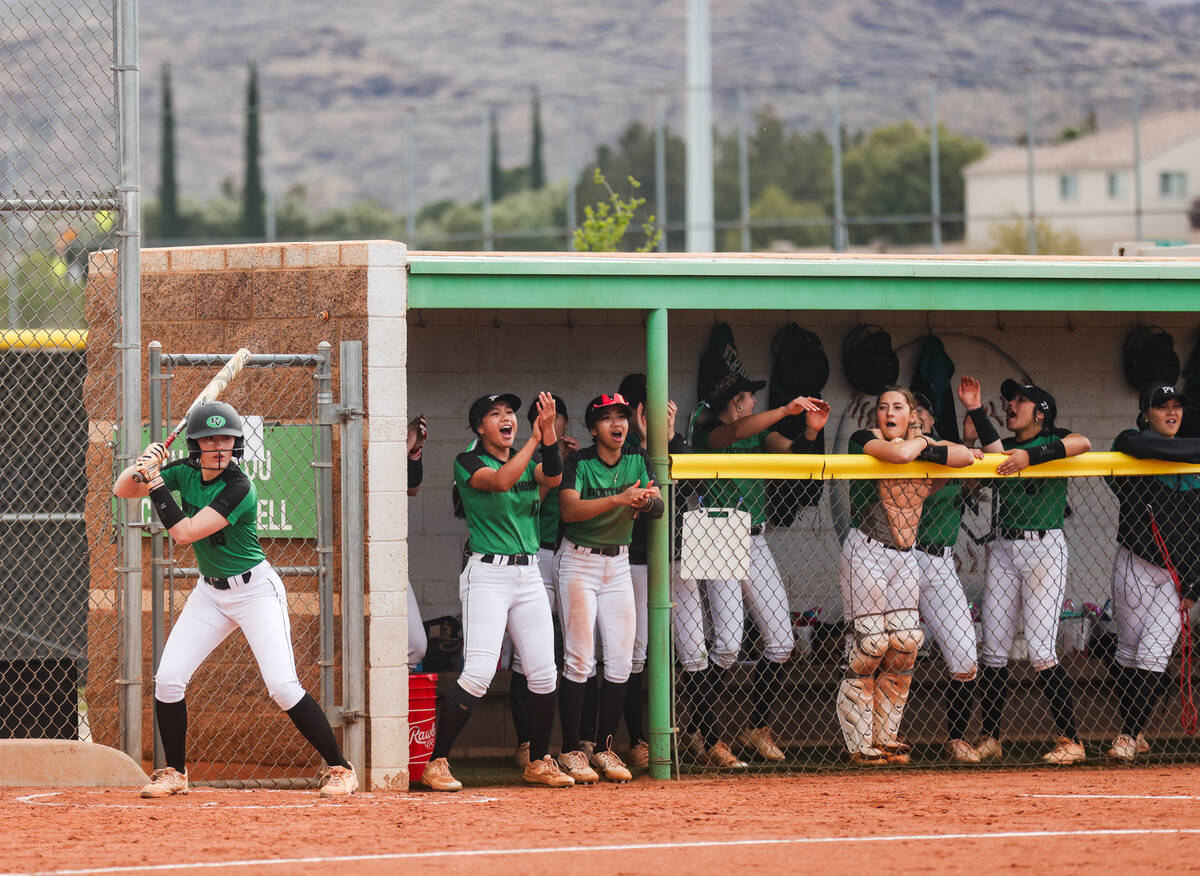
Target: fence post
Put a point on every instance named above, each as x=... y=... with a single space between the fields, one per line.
x=324 y=488
x=354 y=733
x=935 y=179
x=1137 y=152
x=660 y=170
x=1029 y=135
x=157 y=631
x=744 y=167
x=839 y=208
x=659 y=597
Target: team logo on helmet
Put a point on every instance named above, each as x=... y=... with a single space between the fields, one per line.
x=216 y=421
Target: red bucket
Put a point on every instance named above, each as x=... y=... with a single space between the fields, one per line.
x=422 y=708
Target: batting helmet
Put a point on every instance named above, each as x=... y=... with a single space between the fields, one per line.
x=214 y=418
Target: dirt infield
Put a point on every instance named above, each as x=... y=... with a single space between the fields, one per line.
x=1094 y=820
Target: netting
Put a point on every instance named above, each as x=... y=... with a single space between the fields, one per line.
x=933 y=622
x=59 y=622
x=237 y=735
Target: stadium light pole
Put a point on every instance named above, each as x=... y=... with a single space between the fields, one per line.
x=699 y=128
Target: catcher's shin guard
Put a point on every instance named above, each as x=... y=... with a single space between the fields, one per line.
x=865 y=647
x=895 y=677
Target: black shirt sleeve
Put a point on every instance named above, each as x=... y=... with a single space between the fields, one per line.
x=471 y=461
x=1148 y=444
x=570 y=464
x=862 y=437
x=237 y=485
x=803 y=445
x=416 y=473
x=678 y=444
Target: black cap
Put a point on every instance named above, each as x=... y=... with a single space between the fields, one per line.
x=600 y=402
x=560 y=409
x=922 y=400
x=1041 y=399
x=729 y=386
x=485 y=403
x=633 y=387
x=1153 y=396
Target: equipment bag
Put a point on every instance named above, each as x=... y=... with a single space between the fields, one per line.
x=869 y=361
x=799 y=367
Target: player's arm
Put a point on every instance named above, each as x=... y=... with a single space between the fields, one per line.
x=549 y=471
x=976 y=423
x=498 y=480
x=209 y=519
x=651 y=504
x=743 y=427
x=807 y=441
x=145 y=467
x=1067 y=444
x=1148 y=444
x=574 y=509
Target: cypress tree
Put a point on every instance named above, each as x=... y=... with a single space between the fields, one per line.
x=169 y=226
x=254 y=216
x=537 y=167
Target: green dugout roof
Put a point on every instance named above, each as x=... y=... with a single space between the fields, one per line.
x=801 y=282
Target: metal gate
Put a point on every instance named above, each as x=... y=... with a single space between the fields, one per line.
x=237 y=735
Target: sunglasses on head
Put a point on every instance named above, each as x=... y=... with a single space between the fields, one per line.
x=614 y=399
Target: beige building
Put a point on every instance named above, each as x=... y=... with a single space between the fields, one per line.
x=1086 y=186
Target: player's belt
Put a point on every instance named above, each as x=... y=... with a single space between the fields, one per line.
x=890 y=547
x=231 y=581
x=549 y=545
x=1011 y=534
x=507 y=559
x=932 y=550
x=609 y=550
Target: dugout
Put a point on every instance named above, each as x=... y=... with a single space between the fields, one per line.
x=44 y=576
x=486 y=323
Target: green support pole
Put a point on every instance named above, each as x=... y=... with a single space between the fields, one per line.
x=660 y=658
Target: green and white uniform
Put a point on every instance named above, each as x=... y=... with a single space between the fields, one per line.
x=594 y=583
x=944 y=607
x=500 y=586
x=237 y=588
x=1027 y=564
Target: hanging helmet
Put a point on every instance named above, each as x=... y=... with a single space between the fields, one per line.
x=214 y=418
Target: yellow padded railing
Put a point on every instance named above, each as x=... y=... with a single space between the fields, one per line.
x=45 y=340
x=845 y=466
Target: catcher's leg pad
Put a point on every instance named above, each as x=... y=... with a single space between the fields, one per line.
x=865 y=647
x=895 y=676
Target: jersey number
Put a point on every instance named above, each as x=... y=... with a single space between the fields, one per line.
x=217 y=539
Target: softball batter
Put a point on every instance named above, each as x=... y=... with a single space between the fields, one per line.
x=878 y=576
x=1027 y=569
x=1146 y=604
x=603 y=488
x=731 y=426
x=500 y=586
x=238 y=588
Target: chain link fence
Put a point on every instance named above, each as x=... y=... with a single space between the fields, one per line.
x=237 y=735
x=920 y=621
x=59 y=618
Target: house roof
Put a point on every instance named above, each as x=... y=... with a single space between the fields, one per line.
x=1104 y=150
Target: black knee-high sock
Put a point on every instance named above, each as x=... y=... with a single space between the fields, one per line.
x=570 y=704
x=1151 y=685
x=715 y=685
x=312 y=723
x=587 y=720
x=539 y=712
x=633 y=709
x=518 y=704
x=456 y=710
x=766 y=679
x=1059 y=688
x=612 y=701
x=172 y=728
x=993 y=692
x=960 y=700
x=1126 y=681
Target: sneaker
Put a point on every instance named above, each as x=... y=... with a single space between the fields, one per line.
x=989 y=748
x=720 y=756
x=607 y=764
x=339 y=781
x=691 y=743
x=1124 y=748
x=897 y=753
x=762 y=742
x=546 y=772
x=165 y=782
x=868 y=757
x=1143 y=747
x=962 y=751
x=575 y=765
x=521 y=756
x=639 y=755
x=437 y=776
x=1065 y=752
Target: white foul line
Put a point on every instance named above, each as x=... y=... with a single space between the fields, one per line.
x=625 y=847
x=1114 y=796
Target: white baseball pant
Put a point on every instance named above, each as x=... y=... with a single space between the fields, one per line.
x=1146 y=612
x=545 y=564
x=945 y=610
x=418 y=642
x=688 y=621
x=1024 y=587
x=874 y=578
x=259 y=608
x=500 y=598
x=764 y=592
x=595 y=595
x=640 y=574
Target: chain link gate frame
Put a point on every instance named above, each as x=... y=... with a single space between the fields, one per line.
x=238 y=737
x=1081 y=630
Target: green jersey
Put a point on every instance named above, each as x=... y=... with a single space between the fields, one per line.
x=748 y=494
x=1032 y=503
x=864 y=494
x=593 y=478
x=941 y=516
x=549 y=520
x=235 y=548
x=498 y=522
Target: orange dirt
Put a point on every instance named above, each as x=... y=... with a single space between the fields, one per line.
x=1135 y=820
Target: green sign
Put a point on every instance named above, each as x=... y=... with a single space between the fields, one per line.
x=278 y=460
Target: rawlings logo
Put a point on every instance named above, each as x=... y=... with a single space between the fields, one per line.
x=216 y=421
x=424 y=737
